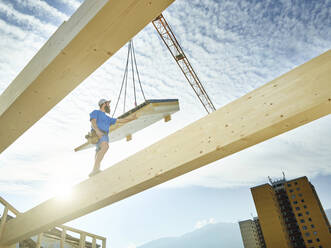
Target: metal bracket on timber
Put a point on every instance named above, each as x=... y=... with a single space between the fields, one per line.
x=96 y=31
x=294 y=99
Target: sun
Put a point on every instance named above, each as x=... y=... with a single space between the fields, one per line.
x=60 y=189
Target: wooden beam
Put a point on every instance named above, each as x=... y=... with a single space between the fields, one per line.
x=94 y=33
x=63 y=237
x=82 y=240
x=129 y=137
x=10 y=207
x=87 y=234
x=3 y=220
x=94 y=242
x=167 y=118
x=39 y=240
x=292 y=100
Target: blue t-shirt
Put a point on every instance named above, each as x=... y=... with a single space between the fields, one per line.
x=103 y=121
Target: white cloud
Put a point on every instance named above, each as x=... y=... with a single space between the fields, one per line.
x=43 y=9
x=202 y=223
x=11 y=30
x=16 y=188
x=26 y=21
x=73 y=4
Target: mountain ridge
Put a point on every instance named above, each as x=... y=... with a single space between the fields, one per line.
x=216 y=235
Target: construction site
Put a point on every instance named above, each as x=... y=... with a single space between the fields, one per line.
x=93 y=34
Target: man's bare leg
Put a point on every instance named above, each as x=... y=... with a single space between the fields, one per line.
x=99 y=156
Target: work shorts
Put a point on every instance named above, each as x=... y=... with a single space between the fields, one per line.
x=104 y=138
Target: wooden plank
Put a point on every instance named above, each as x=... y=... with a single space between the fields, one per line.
x=97 y=30
x=82 y=240
x=94 y=242
x=68 y=228
x=39 y=240
x=167 y=118
x=129 y=137
x=11 y=208
x=63 y=237
x=147 y=114
x=3 y=220
x=294 y=99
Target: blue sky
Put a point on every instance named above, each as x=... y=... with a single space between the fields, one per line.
x=235 y=47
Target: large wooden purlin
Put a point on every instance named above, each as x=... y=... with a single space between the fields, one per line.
x=294 y=99
x=93 y=34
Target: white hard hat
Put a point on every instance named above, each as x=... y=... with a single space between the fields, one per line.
x=102 y=101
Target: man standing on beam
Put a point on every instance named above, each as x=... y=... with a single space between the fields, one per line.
x=101 y=124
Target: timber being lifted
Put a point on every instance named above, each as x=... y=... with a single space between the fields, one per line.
x=147 y=113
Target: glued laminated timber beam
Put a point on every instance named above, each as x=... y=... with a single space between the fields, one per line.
x=94 y=33
x=294 y=99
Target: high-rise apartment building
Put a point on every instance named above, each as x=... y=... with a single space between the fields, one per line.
x=291 y=214
x=251 y=233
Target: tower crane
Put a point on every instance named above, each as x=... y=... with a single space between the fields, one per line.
x=182 y=61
